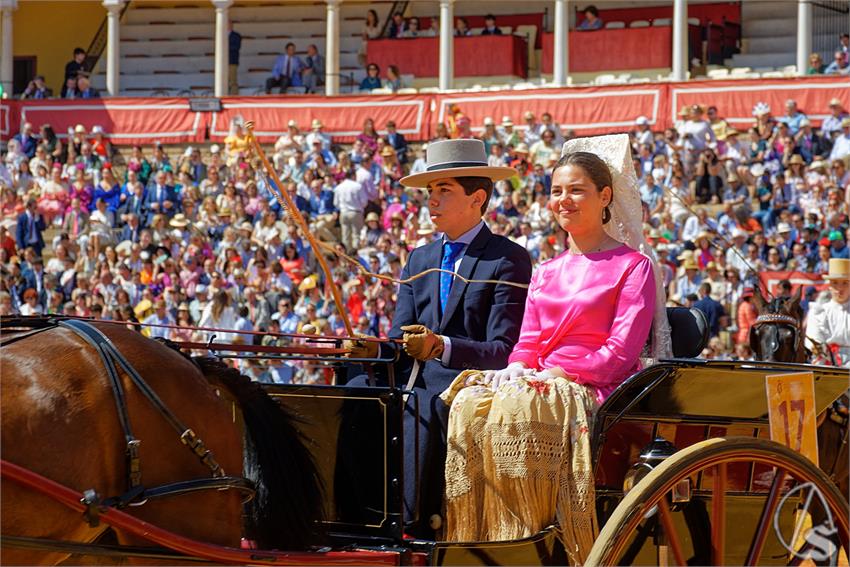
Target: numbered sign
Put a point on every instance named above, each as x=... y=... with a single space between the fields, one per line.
x=791 y=411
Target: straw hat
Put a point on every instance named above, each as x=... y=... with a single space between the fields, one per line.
x=179 y=221
x=685 y=255
x=425 y=230
x=307 y=284
x=183 y=306
x=124 y=247
x=839 y=269
x=521 y=148
x=456 y=158
x=387 y=151
x=783 y=227
x=690 y=264
x=506 y=121
x=373 y=216
x=316 y=123
x=835 y=102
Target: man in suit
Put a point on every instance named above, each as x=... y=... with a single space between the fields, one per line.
x=313 y=74
x=445 y=324
x=29 y=229
x=286 y=71
x=76 y=221
x=397 y=141
x=160 y=197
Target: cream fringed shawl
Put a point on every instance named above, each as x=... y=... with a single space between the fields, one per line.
x=518 y=459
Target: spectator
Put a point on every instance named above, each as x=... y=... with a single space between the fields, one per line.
x=76 y=65
x=462 y=27
x=838 y=66
x=159 y=317
x=841 y=144
x=350 y=199
x=809 y=143
x=84 y=88
x=286 y=71
x=234 y=45
x=26 y=140
x=371 y=30
x=393 y=80
x=396 y=140
x=220 y=314
x=490 y=27
x=792 y=117
x=591 y=20
x=832 y=124
x=412 y=28
x=69 y=89
x=314 y=71
x=372 y=80
x=844 y=46
x=30 y=227
x=397 y=26
x=316 y=133
x=816 y=66
x=36 y=89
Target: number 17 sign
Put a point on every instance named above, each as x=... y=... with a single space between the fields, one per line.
x=791 y=412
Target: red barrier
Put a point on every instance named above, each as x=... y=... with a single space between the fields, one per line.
x=128 y=120
x=588 y=110
x=474 y=56
x=705 y=12
x=342 y=116
x=604 y=50
x=770 y=281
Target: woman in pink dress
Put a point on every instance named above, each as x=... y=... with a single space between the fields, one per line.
x=519 y=438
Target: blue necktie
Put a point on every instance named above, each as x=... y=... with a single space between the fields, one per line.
x=451 y=251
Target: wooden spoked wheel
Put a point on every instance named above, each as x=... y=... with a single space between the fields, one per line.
x=791 y=481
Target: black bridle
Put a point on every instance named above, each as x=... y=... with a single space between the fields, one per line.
x=774 y=321
x=136 y=493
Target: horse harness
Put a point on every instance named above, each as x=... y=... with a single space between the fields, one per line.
x=779 y=320
x=136 y=493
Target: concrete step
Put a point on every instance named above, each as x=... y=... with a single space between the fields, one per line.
x=774 y=27
x=189 y=64
x=180 y=47
x=757 y=45
x=139 y=13
x=169 y=31
x=763 y=60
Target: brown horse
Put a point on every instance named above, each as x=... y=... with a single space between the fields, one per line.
x=60 y=419
x=777 y=335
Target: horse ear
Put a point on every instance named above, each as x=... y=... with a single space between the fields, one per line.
x=758 y=298
x=791 y=306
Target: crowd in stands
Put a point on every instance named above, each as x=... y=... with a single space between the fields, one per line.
x=195 y=236
x=840 y=63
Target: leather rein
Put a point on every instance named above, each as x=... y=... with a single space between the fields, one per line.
x=781 y=320
x=137 y=494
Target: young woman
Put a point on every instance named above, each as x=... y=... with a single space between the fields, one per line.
x=219 y=314
x=587 y=317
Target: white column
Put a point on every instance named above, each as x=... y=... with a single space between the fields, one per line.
x=6 y=48
x=562 y=56
x=447 y=46
x=680 y=40
x=332 y=49
x=221 y=46
x=804 y=35
x=113 y=45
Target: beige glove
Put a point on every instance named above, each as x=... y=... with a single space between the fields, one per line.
x=361 y=349
x=421 y=343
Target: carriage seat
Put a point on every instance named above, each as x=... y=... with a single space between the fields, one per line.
x=688 y=330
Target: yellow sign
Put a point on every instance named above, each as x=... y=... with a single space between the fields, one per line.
x=791 y=411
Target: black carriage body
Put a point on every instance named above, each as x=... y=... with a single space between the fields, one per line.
x=684 y=401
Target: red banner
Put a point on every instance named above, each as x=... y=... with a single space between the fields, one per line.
x=341 y=117
x=126 y=120
x=474 y=56
x=770 y=281
x=588 y=110
x=735 y=99
x=604 y=50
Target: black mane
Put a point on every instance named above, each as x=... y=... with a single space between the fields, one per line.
x=287 y=510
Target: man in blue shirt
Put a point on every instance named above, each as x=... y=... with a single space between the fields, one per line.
x=234 y=44
x=286 y=71
x=713 y=310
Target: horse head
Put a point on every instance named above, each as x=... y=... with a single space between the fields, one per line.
x=776 y=335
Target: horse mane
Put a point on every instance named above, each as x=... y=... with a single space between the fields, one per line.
x=287 y=509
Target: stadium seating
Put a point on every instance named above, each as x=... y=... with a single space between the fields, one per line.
x=170 y=50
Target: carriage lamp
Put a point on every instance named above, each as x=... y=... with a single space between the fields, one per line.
x=650 y=457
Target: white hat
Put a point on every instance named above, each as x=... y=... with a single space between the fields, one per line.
x=658 y=174
x=506 y=121
x=316 y=123
x=761 y=108
x=215 y=148
x=188 y=152
x=642 y=121
x=456 y=158
x=292 y=123
x=97 y=129
x=757 y=169
x=737 y=232
x=783 y=227
x=488 y=121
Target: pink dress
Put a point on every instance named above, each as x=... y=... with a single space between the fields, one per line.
x=590 y=315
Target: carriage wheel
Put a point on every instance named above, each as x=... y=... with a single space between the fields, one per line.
x=650 y=502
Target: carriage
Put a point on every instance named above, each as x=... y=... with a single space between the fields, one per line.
x=685 y=471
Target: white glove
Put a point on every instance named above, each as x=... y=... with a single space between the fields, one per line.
x=495 y=378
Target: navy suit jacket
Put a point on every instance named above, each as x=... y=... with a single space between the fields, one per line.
x=23 y=230
x=482 y=320
x=167 y=195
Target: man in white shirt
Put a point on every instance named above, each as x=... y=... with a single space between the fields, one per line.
x=317 y=134
x=841 y=145
x=829 y=323
x=350 y=199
